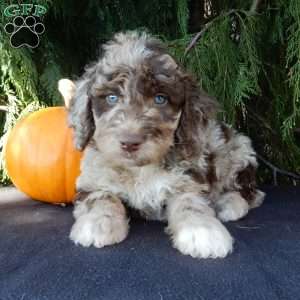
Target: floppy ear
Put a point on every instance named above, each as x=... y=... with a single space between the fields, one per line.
x=197 y=110
x=80 y=109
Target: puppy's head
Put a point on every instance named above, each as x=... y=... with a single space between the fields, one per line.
x=136 y=103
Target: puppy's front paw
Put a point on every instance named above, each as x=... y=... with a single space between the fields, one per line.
x=101 y=232
x=202 y=237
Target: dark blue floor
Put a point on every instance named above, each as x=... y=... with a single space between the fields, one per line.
x=37 y=260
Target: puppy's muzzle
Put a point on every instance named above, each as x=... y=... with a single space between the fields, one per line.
x=131 y=142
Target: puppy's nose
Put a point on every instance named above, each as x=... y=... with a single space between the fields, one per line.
x=129 y=147
x=131 y=142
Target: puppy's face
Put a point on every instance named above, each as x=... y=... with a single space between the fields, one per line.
x=136 y=111
x=134 y=100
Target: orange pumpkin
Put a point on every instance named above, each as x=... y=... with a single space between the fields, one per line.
x=40 y=157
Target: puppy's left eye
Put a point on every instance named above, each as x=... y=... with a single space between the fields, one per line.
x=112 y=99
x=161 y=99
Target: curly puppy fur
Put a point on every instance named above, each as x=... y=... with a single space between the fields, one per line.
x=171 y=161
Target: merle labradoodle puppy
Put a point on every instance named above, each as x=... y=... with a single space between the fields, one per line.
x=151 y=142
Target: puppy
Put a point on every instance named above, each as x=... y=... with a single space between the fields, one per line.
x=151 y=142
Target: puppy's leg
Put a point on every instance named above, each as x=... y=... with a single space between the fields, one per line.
x=100 y=220
x=194 y=228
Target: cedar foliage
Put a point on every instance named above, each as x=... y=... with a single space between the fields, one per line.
x=248 y=57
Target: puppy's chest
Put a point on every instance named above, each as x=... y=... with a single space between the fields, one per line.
x=146 y=189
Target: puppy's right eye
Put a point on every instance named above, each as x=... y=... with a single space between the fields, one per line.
x=112 y=99
x=161 y=99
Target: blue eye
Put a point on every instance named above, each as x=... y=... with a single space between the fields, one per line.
x=160 y=99
x=112 y=99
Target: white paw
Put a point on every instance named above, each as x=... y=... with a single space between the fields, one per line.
x=231 y=207
x=202 y=237
x=99 y=232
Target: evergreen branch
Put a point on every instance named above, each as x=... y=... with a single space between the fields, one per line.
x=276 y=170
x=183 y=15
x=206 y=27
x=252 y=10
x=293 y=63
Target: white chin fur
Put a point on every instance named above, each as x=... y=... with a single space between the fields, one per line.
x=202 y=237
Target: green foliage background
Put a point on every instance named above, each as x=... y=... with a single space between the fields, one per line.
x=248 y=57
